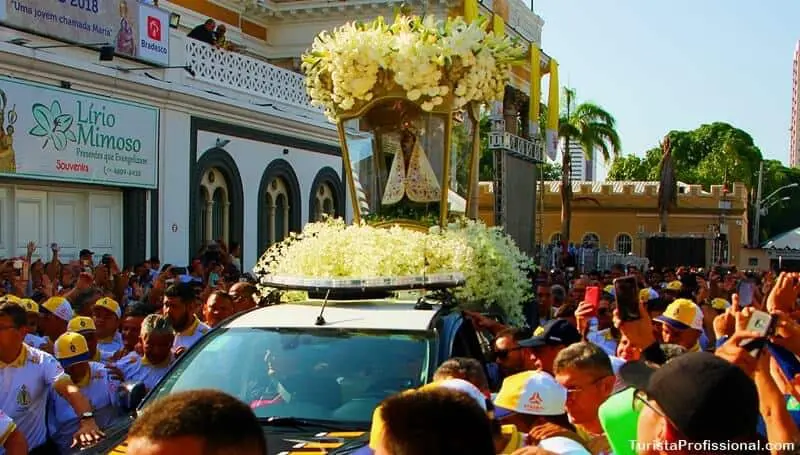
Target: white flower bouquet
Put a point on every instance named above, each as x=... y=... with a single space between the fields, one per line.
x=494 y=268
x=433 y=62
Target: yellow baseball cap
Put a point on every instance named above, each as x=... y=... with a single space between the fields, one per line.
x=609 y=289
x=71 y=348
x=674 y=286
x=647 y=294
x=110 y=305
x=11 y=298
x=720 y=304
x=531 y=393
x=30 y=306
x=81 y=324
x=682 y=314
x=59 y=307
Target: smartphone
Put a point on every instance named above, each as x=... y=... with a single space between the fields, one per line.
x=745 y=291
x=593 y=298
x=626 y=290
x=762 y=323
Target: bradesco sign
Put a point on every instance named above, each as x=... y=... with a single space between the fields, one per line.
x=54 y=134
x=134 y=29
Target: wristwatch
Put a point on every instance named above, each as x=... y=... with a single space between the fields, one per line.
x=87 y=415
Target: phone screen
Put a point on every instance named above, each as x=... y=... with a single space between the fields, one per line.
x=762 y=323
x=627 y=296
x=745 y=291
x=593 y=298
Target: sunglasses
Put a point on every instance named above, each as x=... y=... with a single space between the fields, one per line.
x=502 y=354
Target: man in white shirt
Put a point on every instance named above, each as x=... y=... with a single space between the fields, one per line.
x=107 y=314
x=27 y=375
x=179 y=305
x=157 y=338
x=72 y=351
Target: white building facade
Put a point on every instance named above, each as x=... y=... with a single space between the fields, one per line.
x=229 y=149
x=197 y=158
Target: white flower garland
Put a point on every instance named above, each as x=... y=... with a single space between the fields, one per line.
x=427 y=58
x=492 y=264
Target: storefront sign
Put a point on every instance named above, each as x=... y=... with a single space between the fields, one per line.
x=54 y=134
x=135 y=29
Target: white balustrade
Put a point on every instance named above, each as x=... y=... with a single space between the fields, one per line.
x=246 y=74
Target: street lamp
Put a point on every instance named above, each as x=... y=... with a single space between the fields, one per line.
x=760 y=201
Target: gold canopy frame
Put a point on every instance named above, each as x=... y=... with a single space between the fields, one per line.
x=386 y=123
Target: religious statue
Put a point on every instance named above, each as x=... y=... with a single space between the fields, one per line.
x=7 y=120
x=411 y=176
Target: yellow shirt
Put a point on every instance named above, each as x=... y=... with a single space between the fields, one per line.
x=516 y=439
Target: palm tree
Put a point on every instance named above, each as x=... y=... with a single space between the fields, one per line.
x=594 y=129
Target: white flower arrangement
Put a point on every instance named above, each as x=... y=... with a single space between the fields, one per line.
x=432 y=61
x=494 y=268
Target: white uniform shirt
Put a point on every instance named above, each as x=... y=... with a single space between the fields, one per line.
x=24 y=386
x=108 y=347
x=35 y=341
x=138 y=368
x=7 y=426
x=190 y=335
x=100 y=390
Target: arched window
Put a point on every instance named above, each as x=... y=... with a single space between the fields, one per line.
x=279 y=210
x=624 y=244
x=323 y=202
x=555 y=239
x=215 y=208
x=591 y=240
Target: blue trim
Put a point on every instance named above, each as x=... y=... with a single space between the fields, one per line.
x=85 y=357
x=721 y=340
x=672 y=322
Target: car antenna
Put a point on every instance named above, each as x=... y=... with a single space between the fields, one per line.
x=320 y=319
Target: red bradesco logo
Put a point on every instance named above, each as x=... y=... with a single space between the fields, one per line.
x=153 y=28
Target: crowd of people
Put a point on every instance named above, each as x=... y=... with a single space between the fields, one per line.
x=72 y=333
x=693 y=373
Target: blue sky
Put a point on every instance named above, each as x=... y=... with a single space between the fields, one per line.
x=659 y=65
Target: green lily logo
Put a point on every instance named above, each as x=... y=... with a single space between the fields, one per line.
x=53 y=125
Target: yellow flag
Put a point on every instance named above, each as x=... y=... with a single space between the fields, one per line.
x=553 y=110
x=470 y=10
x=498 y=25
x=500 y=10
x=535 y=91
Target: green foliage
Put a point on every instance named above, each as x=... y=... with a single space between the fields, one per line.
x=631 y=168
x=715 y=154
x=550 y=171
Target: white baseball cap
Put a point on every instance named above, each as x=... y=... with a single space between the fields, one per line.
x=531 y=392
x=467 y=387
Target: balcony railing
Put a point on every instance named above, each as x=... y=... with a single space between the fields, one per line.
x=246 y=74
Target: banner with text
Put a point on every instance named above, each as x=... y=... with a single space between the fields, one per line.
x=54 y=134
x=135 y=29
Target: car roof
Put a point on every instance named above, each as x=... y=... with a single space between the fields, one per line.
x=371 y=314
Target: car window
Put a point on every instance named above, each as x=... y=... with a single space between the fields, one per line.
x=311 y=374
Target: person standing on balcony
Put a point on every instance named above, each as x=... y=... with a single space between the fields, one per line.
x=205 y=32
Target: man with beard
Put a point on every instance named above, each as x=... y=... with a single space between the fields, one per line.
x=179 y=305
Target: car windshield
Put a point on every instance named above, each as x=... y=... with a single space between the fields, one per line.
x=327 y=374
